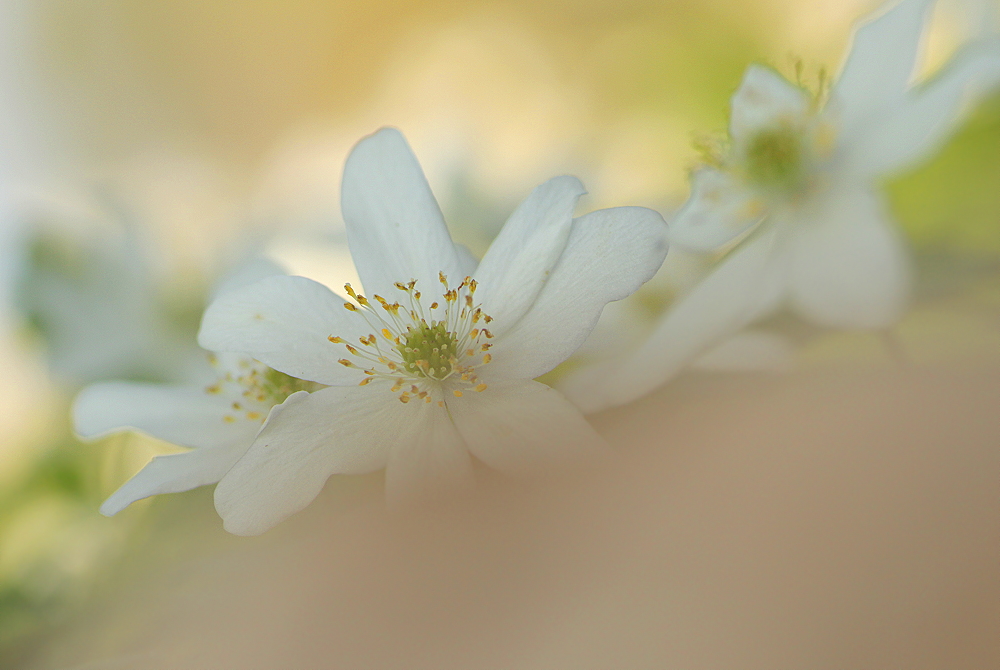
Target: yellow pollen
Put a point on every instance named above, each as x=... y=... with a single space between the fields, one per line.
x=229 y=419
x=237 y=406
x=487 y=358
x=422 y=350
x=365 y=381
x=253 y=416
x=350 y=307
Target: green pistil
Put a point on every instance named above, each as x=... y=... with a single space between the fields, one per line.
x=277 y=386
x=428 y=350
x=774 y=158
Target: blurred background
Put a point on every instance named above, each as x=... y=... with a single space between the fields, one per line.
x=147 y=149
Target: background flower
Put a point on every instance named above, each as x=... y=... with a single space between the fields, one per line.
x=796 y=187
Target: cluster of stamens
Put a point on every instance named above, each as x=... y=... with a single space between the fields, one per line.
x=421 y=350
x=780 y=158
x=258 y=387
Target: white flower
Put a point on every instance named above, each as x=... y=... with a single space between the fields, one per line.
x=217 y=420
x=217 y=413
x=799 y=182
x=438 y=364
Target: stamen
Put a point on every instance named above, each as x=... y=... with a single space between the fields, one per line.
x=426 y=353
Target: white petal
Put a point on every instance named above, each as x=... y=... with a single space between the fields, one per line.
x=610 y=254
x=338 y=430
x=880 y=64
x=763 y=100
x=746 y=285
x=749 y=351
x=524 y=428
x=921 y=122
x=521 y=257
x=285 y=322
x=719 y=210
x=430 y=462
x=394 y=226
x=187 y=416
x=849 y=268
x=176 y=473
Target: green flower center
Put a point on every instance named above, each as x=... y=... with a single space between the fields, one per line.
x=277 y=386
x=429 y=350
x=261 y=389
x=774 y=158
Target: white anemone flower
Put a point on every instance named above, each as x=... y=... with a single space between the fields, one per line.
x=216 y=413
x=797 y=189
x=437 y=367
x=217 y=420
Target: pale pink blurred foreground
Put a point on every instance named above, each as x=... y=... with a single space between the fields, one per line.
x=838 y=521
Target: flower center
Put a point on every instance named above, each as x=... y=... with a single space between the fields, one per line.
x=428 y=349
x=256 y=388
x=774 y=158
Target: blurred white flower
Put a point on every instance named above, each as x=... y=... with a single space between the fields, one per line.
x=217 y=420
x=86 y=280
x=217 y=412
x=798 y=183
x=439 y=363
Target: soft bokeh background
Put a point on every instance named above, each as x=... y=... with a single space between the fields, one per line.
x=148 y=148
